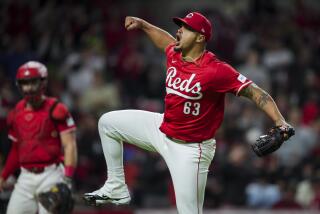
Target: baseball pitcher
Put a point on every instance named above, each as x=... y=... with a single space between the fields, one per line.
x=196 y=85
x=42 y=132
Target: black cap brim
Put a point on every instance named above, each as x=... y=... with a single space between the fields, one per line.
x=178 y=21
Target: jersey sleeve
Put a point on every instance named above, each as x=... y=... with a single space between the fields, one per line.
x=228 y=80
x=12 y=162
x=63 y=119
x=12 y=135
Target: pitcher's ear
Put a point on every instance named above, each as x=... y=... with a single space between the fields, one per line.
x=201 y=38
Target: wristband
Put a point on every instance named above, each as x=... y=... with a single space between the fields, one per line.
x=69 y=171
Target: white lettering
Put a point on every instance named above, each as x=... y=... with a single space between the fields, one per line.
x=196 y=88
x=187 y=89
x=175 y=85
x=170 y=74
x=176 y=82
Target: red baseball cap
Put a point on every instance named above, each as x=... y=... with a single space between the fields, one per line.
x=197 y=22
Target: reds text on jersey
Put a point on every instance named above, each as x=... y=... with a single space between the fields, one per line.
x=195 y=94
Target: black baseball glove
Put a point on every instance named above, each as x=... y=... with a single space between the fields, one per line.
x=272 y=141
x=58 y=200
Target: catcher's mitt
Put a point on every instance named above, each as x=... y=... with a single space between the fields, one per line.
x=272 y=141
x=58 y=200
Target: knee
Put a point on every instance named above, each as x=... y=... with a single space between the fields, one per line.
x=109 y=120
x=106 y=120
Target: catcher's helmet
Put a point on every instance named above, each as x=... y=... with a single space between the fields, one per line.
x=32 y=72
x=32 y=69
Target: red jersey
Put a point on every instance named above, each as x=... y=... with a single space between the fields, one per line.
x=36 y=133
x=194 y=102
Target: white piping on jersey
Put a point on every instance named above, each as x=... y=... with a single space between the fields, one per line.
x=171 y=91
x=241 y=87
x=68 y=130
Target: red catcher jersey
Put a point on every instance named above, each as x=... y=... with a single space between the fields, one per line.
x=35 y=133
x=195 y=94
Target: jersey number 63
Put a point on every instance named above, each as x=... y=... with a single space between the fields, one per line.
x=191 y=108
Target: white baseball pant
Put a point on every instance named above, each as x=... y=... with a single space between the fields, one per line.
x=188 y=163
x=24 y=196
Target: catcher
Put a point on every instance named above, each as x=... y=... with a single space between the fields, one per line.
x=42 y=132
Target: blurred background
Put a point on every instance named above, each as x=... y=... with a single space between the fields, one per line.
x=95 y=66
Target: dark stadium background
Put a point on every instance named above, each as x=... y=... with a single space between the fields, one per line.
x=96 y=66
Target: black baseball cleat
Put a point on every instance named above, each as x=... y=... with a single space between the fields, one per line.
x=90 y=200
x=96 y=200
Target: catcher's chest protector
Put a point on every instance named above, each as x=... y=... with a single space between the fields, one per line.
x=36 y=131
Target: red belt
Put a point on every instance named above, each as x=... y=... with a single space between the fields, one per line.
x=180 y=141
x=185 y=142
x=36 y=170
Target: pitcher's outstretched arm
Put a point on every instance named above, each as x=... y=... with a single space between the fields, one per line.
x=160 y=38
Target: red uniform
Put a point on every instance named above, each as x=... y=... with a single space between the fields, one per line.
x=35 y=135
x=194 y=103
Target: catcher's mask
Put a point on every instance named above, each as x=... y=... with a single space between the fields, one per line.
x=31 y=80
